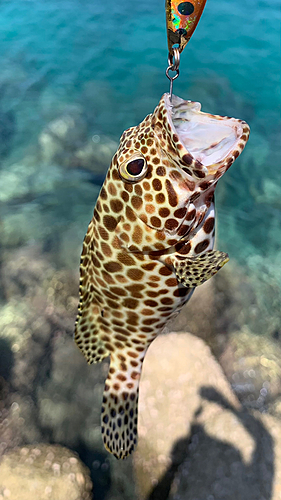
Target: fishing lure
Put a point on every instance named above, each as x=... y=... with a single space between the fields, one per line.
x=182 y=18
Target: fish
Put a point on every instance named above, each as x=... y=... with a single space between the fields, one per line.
x=181 y=20
x=149 y=244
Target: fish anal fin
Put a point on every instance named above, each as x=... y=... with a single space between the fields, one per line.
x=193 y=271
x=119 y=417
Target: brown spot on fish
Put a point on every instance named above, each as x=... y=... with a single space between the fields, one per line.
x=137 y=235
x=125 y=196
x=135 y=274
x=160 y=198
x=155 y=222
x=146 y=186
x=180 y=213
x=161 y=171
x=172 y=195
x=116 y=205
x=150 y=209
x=199 y=173
x=138 y=189
x=157 y=184
x=165 y=271
x=200 y=247
x=130 y=214
x=126 y=259
x=164 y=212
x=187 y=158
x=111 y=189
x=209 y=225
x=112 y=267
x=171 y=224
x=110 y=222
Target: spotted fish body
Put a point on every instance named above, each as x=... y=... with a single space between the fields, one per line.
x=150 y=242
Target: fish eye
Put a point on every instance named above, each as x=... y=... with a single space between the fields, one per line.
x=133 y=170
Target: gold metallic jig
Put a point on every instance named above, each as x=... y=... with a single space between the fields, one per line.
x=182 y=18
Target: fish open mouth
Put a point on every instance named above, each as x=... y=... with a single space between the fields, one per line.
x=210 y=139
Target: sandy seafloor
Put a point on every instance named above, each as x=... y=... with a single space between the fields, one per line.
x=74 y=75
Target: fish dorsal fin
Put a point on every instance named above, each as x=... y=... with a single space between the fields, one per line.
x=193 y=271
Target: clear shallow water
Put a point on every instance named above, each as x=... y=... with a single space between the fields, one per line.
x=108 y=61
x=111 y=60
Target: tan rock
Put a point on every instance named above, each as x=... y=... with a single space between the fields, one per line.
x=195 y=441
x=45 y=472
x=252 y=363
x=176 y=367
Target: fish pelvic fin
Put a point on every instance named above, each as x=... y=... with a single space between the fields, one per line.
x=119 y=415
x=194 y=271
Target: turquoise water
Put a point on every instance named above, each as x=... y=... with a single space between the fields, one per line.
x=107 y=60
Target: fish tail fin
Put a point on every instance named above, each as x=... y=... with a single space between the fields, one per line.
x=119 y=417
x=90 y=339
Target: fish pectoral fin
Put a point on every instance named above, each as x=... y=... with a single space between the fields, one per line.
x=193 y=271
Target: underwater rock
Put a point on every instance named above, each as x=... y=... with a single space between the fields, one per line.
x=16 y=179
x=66 y=399
x=39 y=308
x=252 y=365
x=216 y=308
x=47 y=391
x=238 y=314
x=96 y=154
x=21 y=225
x=203 y=320
x=61 y=137
x=28 y=178
x=269 y=194
x=176 y=367
x=45 y=472
x=195 y=440
x=69 y=401
x=46 y=207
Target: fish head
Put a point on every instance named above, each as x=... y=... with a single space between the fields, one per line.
x=167 y=169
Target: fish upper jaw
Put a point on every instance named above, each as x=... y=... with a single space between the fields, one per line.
x=203 y=145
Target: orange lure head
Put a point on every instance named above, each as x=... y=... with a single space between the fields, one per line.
x=182 y=18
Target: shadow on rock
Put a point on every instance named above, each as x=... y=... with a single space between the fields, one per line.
x=205 y=467
x=6 y=359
